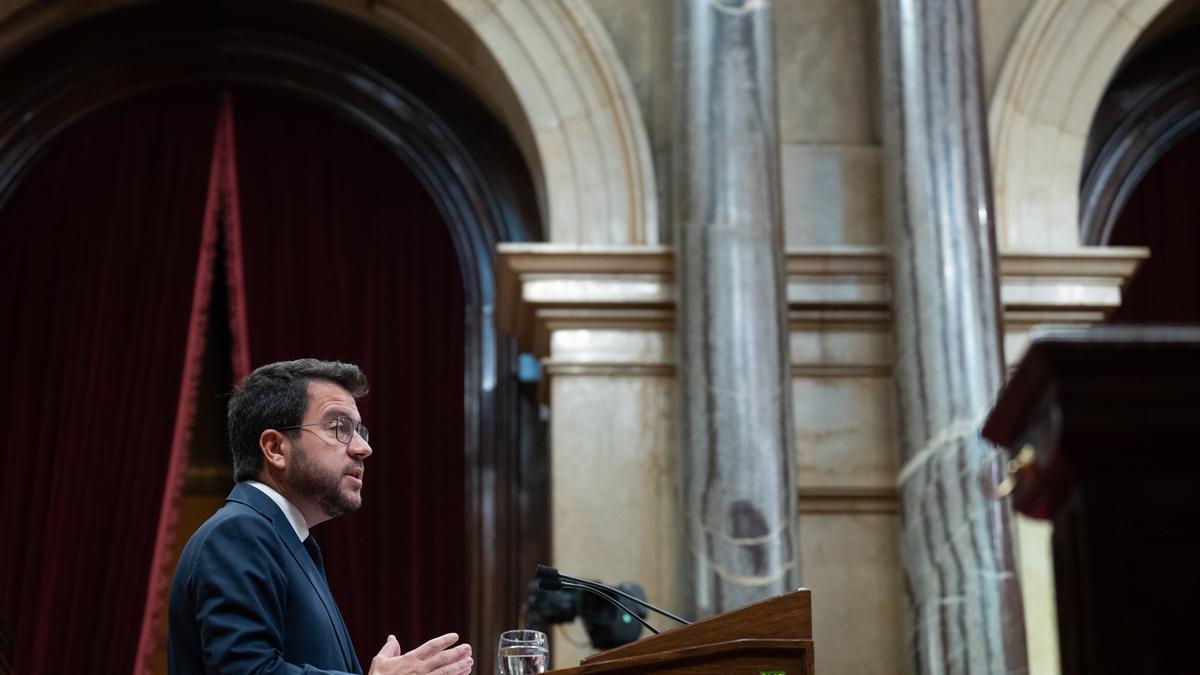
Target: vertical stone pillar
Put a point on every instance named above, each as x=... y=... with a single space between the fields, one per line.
x=738 y=457
x=963 y=599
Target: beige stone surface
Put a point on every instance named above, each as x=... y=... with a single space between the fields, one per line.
x=852 y=565
x=827 y=67
x=637 y=29
x=615 y=487
x=1016 y=341
x=832 y=194
x=1036 y=563
x=843 y=429
x=998 y=24
x=841 y=346
x=641 y=33
x=1141 y=12
x=592 y=346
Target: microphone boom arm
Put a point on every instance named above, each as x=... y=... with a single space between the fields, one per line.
x=591 y=584
x=595 y=591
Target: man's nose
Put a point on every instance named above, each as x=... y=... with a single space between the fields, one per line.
x=358 y=447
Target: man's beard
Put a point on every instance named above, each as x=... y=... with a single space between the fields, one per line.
x=322 y=487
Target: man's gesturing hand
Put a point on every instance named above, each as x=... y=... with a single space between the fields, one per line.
x=432 y=658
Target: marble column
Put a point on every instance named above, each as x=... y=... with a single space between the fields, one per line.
x=739 y=497
x=963 y=598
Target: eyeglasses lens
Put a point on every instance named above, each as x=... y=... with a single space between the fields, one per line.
x=346 y=428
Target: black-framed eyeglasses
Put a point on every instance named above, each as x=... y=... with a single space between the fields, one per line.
x=344 y=428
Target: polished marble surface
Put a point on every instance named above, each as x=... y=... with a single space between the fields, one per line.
x=962 y=596
x=737 y=456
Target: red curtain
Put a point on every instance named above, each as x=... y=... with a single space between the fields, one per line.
x=100 y=248
x=344 y=256
x=1164 y=214
x=336 y=252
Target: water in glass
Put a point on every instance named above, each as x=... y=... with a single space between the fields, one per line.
x=522 y=660
x=521 y=652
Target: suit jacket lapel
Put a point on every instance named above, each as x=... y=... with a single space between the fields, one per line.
x=255 y=499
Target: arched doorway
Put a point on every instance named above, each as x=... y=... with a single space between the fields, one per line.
x=455 y=155
x=1142 y=156
x=1040 y=114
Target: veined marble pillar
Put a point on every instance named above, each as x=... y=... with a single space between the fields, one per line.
x=963 y=598
x=738 y=458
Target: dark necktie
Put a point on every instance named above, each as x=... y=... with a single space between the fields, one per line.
x=314 y=551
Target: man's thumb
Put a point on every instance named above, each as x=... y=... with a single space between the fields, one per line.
x=390 y=648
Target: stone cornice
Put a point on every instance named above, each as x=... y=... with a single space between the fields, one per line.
x=1074 y=286
x=547 y=287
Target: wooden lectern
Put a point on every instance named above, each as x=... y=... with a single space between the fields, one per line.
x=1103 y=424
x=773 y=636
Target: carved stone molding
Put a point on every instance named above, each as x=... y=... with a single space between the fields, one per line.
x=1151 y=106
x=1078 y=286
x=848 y=500
x=553 y=75
x=543 y=288
x=1056 y=72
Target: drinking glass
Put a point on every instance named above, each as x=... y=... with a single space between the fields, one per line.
x=522 y=652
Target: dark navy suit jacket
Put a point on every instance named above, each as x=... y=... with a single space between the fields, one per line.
x=248 y=598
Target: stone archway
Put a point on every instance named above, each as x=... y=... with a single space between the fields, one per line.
x=1148 y=109
x=548 y=71
x=1057 y=70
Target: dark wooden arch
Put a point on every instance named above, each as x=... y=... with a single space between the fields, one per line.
x=461 y=155
x=1152 y=105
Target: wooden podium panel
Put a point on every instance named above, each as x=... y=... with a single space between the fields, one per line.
x=1105 y=426
x=773 y=636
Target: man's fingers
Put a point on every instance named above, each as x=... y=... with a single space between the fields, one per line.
x=458 y=666
x=453 y=661
x=453 y=656
x=437 y=644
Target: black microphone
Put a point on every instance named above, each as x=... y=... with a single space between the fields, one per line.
x=549 y=578
x=601 y=594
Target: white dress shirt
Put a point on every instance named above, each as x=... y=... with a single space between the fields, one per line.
x=289 y=509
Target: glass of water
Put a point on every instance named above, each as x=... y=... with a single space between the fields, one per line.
x=522 y=652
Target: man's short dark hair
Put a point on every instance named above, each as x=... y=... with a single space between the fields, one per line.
x=276 y=396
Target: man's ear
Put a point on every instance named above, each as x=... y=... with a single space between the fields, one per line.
x=275 y=448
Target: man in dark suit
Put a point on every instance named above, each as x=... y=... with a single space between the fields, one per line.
x=250 y=595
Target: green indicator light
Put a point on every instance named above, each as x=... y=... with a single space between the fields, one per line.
x=626 y=618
